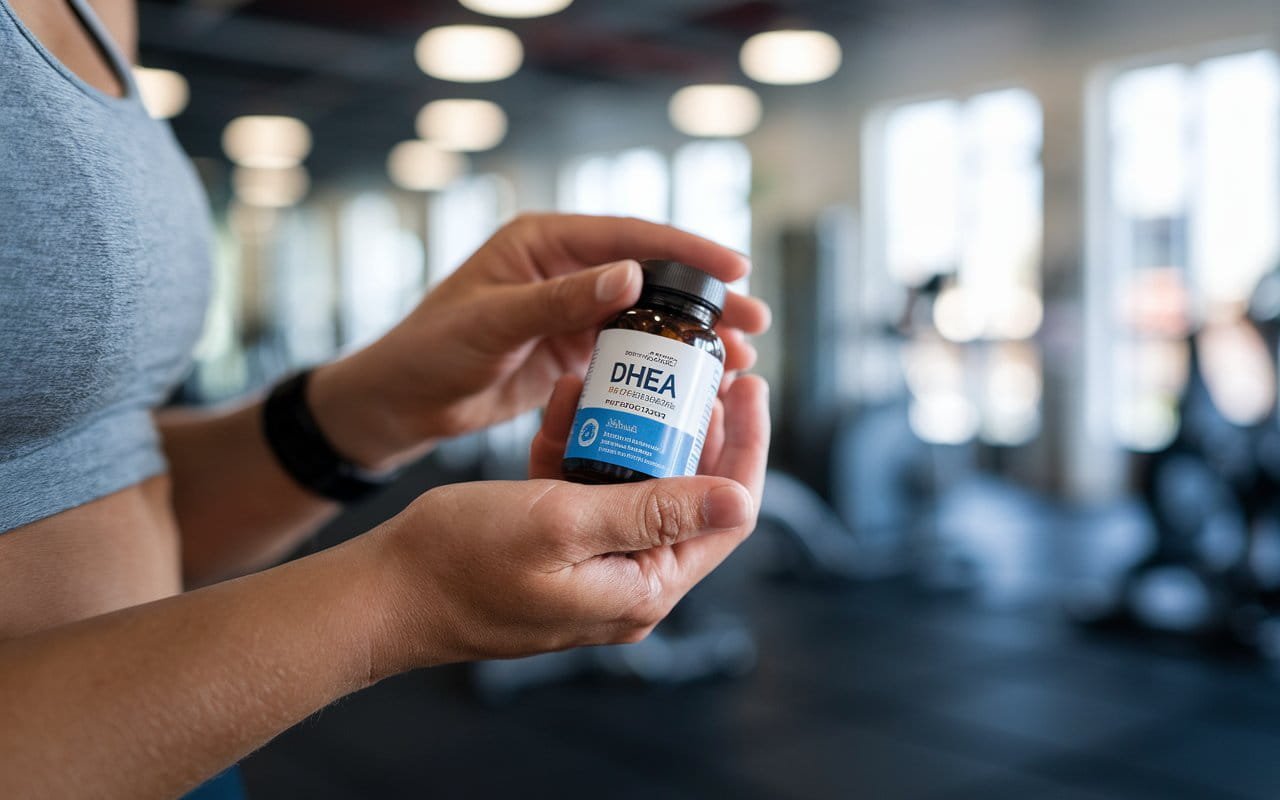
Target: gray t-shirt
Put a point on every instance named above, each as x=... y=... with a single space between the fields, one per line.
x=105 y=251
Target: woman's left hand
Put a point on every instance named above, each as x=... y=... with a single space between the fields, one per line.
x=490 y=341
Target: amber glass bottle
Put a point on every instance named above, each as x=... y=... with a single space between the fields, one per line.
x=652 y=382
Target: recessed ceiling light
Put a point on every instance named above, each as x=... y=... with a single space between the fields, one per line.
x=266 y=141
x=468 y=126
x=469 y=53
x=517 y=8
x=164 y=92
x=715 y=110
x=424 y=167
x=270 y=187
x=791 y=57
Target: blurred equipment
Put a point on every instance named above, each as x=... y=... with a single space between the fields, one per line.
x=1214 y=493
x=685 y=648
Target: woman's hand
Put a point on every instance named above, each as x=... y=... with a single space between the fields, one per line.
x=504 y=569
x=489 y=342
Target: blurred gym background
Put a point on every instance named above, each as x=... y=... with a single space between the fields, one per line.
x=1022 y=532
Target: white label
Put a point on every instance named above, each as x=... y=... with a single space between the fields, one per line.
x=646 y=404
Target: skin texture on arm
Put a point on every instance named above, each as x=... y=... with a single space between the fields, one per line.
x=149 y=701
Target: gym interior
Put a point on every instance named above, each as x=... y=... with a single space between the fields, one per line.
x=1021 y=532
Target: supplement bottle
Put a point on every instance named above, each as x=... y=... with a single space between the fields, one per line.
x=652 y=383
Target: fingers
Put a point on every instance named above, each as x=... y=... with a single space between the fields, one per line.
x=547 y=450
x=739 y=354
x=628 y=518
x=676 y=530
x=714 y=441
x=746 y=434
x=596 y=240
x=742 y=458
x=750 y=314
x=574 y=302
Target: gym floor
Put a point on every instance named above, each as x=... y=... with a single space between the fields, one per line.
x=877 y=691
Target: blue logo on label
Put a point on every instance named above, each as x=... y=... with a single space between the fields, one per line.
x=590 y=430
x=632 y=441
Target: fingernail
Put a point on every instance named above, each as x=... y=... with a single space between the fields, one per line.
x=613 y=282
x=727 y=507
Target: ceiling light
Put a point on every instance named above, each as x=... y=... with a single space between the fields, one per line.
x=423 y=166
x=958 y=315
x=715 y=110
x=270 y=187
x=517 y=8
x=790 y=57
x=164 y=92
x=467 y=126
x=263 y=141
x=469 y=53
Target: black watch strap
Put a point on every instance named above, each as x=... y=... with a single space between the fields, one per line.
x=305 y=452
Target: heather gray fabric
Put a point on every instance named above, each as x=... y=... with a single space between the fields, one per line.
x=104 y=274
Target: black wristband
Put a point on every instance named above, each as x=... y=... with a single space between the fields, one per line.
x=305 y=452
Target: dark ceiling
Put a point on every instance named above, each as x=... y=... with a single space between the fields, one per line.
x=347 y=68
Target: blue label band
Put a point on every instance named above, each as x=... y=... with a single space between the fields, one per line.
x=631 y=441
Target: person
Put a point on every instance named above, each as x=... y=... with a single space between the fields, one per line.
x=114 y=681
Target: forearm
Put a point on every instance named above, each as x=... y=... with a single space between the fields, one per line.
x=238 y=510
x=150 y=701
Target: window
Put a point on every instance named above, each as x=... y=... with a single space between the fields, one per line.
x=381 y=268
x=954 y=218
x=706 y=189
x=303 y=288
x=633 y=183
x=463 y=217
x=713 y=192
x=1185 y=229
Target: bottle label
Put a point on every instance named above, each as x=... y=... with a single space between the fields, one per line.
x=646 y=404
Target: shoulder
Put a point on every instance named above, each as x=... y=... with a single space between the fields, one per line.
x=121 y=19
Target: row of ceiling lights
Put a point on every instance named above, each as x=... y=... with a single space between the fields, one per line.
x=483 y=54
x=269 y=150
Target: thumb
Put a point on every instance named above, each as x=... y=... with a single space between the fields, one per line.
x=570 y=303
x=627 y=518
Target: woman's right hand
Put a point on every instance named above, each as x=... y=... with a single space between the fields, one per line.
x=506 y=569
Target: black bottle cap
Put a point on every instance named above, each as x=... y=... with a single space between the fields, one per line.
x=684 y=279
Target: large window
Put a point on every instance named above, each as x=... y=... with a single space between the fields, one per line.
x=380 y=268
x=1186 y=224
x=713 y=192
x=704 y=188
x=461 y=218
x=955 y=219
x=303 y=289
x=633 y=183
